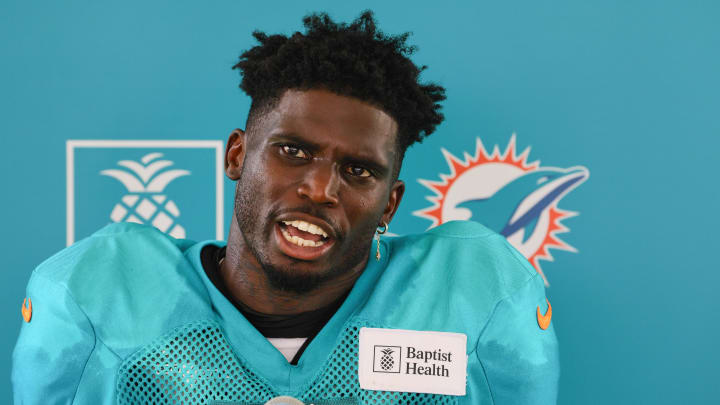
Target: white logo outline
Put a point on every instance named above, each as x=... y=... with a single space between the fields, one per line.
x=72 y=144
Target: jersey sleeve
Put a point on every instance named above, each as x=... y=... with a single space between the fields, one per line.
x=53 y=347
x=519 y=358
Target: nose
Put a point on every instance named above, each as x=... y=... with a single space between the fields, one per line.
x=320 y=184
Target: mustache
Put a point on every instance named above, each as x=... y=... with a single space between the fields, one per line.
x=313 y=211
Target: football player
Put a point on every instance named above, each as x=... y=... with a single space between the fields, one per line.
x=307 y=302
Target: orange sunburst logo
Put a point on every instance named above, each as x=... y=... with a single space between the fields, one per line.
x=509 y=195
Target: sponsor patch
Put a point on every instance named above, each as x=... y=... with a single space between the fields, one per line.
x=412 y=361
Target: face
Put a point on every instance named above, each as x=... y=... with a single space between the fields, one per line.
x=315 y=180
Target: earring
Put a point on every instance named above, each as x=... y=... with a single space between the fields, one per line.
x=377 y=238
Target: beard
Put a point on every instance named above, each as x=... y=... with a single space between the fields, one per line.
x=256 y=225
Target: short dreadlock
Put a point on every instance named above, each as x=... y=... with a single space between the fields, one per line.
x=356 y=60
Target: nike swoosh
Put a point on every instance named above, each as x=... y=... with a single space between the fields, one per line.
x=27 y=311
x=544 y=320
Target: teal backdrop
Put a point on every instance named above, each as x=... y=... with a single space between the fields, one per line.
x=625 y=94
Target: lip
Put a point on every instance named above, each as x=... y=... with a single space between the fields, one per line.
x=308 y=218
x=307 y=253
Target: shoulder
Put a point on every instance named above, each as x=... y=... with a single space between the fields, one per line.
x=454 y=274
x=119 y=276
x=470 y=251
x=118 y=244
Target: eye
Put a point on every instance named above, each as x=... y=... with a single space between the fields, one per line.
x=293 y=152
x=358 y=171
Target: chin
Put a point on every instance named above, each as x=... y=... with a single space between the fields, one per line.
x=291 y=280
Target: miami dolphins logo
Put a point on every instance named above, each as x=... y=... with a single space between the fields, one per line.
x=504 y=192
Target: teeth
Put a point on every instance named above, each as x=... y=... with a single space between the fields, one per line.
x=307 y=227
x=300 y=241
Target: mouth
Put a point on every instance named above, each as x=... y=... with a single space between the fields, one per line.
x=303 y=239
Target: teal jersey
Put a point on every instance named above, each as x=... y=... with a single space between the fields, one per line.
x=128 y=316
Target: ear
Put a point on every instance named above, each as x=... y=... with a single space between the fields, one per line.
x=235 y=154
x=396 y=194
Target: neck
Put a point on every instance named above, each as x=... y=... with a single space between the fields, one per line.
x=246 y=282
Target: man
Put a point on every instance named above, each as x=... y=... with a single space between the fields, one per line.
x=301 y=306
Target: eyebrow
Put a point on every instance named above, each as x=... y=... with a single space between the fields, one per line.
x=291 y=137
x=361 y=160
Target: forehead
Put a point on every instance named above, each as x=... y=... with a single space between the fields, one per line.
x=326 y=117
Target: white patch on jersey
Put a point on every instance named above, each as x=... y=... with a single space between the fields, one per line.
x=287 y=346
x=412 y=361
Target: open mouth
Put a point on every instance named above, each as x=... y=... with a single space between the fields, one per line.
x=303 y=233
x=302 y=239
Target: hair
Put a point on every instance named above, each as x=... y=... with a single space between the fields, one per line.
x=356 y=60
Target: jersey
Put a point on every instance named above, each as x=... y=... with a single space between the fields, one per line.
x=128 y=316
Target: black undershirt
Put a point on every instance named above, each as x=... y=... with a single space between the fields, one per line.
x=302 y=325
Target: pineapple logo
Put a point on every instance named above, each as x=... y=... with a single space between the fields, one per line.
x=387 y=359
x=145 y=202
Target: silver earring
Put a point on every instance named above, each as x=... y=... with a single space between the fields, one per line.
x=377 y=238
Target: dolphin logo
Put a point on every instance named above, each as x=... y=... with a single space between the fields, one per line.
x=519 y=203
x=507 y=193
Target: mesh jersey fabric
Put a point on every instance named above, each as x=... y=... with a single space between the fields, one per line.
x=128 y=316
